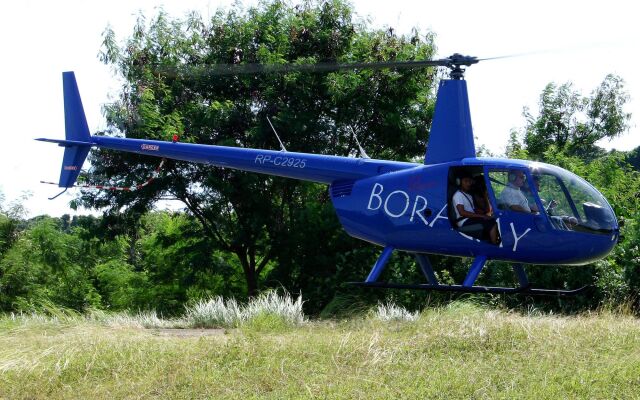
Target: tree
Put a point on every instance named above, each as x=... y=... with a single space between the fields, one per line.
x=574 y=123
x=246 y=214
x=179 y=265
x=515 y=148
x=633 y=158
x=565 y=133
x=46 y=265
x=12 y=218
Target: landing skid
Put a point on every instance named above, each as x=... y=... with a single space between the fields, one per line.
x=528 y=291
x=468 y=284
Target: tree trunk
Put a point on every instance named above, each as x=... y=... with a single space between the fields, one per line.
x=250 y=273
x=252 y=284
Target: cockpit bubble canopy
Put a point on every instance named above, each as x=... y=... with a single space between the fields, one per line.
x=571 y=202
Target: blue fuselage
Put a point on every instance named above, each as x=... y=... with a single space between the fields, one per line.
x=408 y=209
x=406 y=205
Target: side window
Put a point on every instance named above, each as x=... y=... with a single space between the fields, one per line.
x=579 y=197
x=552 y=196
x=477 y=191
x=498 y=181
x=511 y=188
x=555 y=202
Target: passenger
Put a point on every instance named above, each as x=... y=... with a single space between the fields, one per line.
x=512 y=197
x=481 y=196
x=466 y=215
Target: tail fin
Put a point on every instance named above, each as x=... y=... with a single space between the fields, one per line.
x=451 y=136
x=78 y=140
x=75 y=122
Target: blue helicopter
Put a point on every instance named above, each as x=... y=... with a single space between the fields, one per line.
x=556 y=217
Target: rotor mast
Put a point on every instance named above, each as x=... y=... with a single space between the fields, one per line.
x=451 y=134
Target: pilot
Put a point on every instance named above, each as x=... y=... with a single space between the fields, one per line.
x=512 y=196
x=466 y=215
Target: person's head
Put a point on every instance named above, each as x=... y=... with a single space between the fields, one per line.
x=516 y=178
x=478 y=185
x=466 y=181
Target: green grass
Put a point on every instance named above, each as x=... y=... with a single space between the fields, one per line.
x=460 y=351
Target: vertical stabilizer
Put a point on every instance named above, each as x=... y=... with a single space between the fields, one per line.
x=76 y=130
x=75 y=122
x=451 y=136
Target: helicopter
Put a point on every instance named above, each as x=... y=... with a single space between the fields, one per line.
x=405 y=206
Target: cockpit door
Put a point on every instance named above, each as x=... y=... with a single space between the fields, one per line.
x=515 y=205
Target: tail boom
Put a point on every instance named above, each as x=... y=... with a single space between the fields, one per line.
x=303 y=166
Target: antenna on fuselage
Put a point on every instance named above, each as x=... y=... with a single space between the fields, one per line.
x=363 y=154
x=282 y=148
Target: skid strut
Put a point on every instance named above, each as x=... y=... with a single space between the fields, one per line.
x=468 y=284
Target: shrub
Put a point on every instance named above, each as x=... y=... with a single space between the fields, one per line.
x=269 y=310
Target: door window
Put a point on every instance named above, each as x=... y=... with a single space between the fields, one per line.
x=511 y=189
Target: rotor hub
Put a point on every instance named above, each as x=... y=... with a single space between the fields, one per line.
x=455 y=64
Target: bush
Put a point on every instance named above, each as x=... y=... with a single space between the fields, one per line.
x=392 y=312
x=214 y=313
x=45 y=265
x=267 y=311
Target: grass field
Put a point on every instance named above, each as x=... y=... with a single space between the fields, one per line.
x=459 y=351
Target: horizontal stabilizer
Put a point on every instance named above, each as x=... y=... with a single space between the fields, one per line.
x=65 y=143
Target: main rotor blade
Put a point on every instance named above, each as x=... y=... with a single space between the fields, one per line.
x=454 y=61
x=516 y=55
x=255 y=69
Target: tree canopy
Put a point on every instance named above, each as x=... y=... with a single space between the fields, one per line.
x=575 y=123
x=164 y=93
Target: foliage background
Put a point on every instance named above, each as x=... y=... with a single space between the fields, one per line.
x=240 y=232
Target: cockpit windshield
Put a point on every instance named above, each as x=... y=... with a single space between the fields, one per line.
x=571 y=203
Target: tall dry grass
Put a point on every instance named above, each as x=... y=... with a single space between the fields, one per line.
x=459 y=351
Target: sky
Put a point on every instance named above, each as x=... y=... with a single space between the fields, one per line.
x=566 y=41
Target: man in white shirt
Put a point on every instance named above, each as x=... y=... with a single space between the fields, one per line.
x=512 y=197
x=466 y=215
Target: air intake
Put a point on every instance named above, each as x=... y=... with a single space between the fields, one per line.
x=341 y=189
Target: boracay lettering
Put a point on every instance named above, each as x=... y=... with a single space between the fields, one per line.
x=403 y=204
